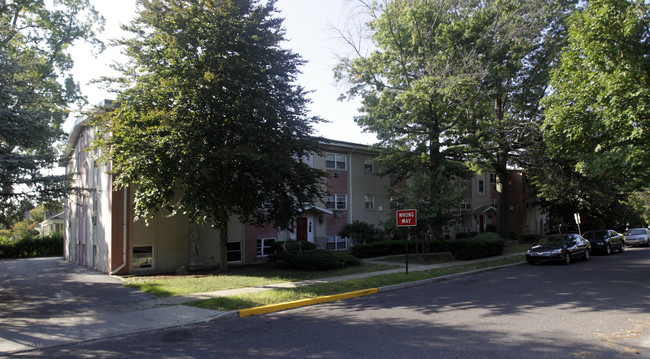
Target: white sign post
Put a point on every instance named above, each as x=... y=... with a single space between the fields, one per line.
x=577 y=218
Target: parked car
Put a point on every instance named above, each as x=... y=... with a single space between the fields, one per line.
x=605 y=241
x=559 y=248
x=637 y=236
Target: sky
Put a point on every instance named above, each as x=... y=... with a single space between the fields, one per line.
x=309 y=32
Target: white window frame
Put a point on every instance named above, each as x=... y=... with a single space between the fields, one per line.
x=368 y=165
x=466 y=204
x=335 y=161
x=262 y=244
x=369 y=202
x=480 y=183
x=334 y=201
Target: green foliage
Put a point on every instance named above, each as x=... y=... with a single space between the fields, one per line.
x=461 y=235
x=361 y=232
x=278 y=247
x=484 y=245
x=387 y=248
x=530 y=238
x=597 y=114
x=416 y=86
x=209 y=120
x=316 y=259
x=35 y=94
x=30 y=247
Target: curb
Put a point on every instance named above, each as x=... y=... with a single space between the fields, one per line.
x=330 y=298
x=304 y=302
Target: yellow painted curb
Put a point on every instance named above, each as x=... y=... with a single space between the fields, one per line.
x=304 y=302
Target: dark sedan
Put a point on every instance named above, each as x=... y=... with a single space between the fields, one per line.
x=559 y=248
x=605 y=241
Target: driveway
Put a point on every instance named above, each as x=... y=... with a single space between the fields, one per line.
x=48 y=301
x=43 y=287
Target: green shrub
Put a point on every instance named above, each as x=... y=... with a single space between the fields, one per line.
x=315 y=259
x=278 y=247
x=361 y=232
x=461 y=235
x=388 y=248
x=486 y=244
x=530 y=238
x=49 y=246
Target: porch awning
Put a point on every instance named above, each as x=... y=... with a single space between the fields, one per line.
x=317 y=210
x=484 y=209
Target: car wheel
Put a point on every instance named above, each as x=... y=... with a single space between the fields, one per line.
x=647 y=242
x=567 y=258
x=588 y=255
x=622 y=249
x=608 y=250
x=531 y=262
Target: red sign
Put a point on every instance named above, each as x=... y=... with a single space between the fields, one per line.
x=407 y=218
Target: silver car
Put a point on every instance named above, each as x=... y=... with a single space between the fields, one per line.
x=637 y=236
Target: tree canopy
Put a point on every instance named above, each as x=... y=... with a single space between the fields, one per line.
x=209 y=121
x=454 y=80
x=36 y=91
x=598 y=111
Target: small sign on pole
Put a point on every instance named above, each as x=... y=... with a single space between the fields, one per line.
x=578 y=221
x=407 y=218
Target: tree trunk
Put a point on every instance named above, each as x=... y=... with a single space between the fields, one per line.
x=503 y=210
x=223 y=246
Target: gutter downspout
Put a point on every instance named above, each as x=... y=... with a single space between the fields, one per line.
x=123 y=235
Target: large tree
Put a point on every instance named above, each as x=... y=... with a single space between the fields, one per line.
x=210 y=122
x=36 y=91
x=598 y=111
x=522 y=43
x=417 y=85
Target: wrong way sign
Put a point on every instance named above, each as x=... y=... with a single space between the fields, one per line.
x=407 y=218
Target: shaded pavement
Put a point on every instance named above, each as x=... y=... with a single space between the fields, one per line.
x=48 y=301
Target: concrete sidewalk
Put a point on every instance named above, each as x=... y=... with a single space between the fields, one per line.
x=83 y=323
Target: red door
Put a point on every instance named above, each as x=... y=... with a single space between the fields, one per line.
x=301 y=230
x=481 y=223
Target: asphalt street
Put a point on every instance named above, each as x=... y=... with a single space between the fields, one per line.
x=586 y=310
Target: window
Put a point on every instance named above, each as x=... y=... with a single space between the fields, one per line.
x=233 y=252
x=337 y=201
x=142 y=257
x=336 y=243
x=466 y=204
x=494 y=203
x=264 y=246
x=335 y=161
x=481 y=186
x=336 y=174
x=367 y=166
x=493 y=178
x=369 y=201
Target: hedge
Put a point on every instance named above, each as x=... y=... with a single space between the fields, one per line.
x=315 y=259
x=388 y=248
x=50 y=246
x=486 y=244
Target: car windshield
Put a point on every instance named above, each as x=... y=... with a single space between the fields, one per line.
x=634 y=232
x=551 y=241
x=595 y=235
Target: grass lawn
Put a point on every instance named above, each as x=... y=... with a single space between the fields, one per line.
x=238 y=277
x=260 y=275
x=284 y=295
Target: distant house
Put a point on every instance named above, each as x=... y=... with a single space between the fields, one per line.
x=480 y=205
x=100 y=231
x=53 y=223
